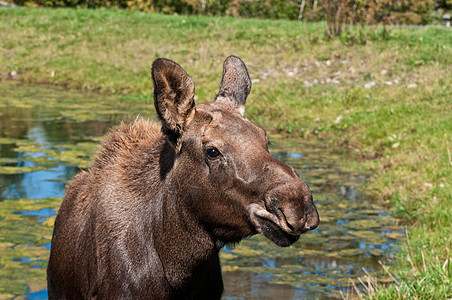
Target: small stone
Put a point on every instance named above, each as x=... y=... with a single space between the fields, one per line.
x=412 y=85
x=395 y=145
x=369 y=84
x=255 y=80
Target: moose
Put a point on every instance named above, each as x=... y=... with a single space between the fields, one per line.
x=149 y=216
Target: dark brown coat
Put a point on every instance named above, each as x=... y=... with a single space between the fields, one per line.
x=148 y=218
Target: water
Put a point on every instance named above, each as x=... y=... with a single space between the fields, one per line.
x=48 y=134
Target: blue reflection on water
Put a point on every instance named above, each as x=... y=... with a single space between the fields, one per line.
x=37 y=185
x=45 y=212
x=39 y=295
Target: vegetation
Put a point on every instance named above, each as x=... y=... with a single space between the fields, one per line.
x=350 y=11
x=385 y=98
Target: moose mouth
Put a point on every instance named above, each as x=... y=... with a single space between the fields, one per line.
x=272 y=227
x=276 y=234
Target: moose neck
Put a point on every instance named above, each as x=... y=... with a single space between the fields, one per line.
x=185 y=249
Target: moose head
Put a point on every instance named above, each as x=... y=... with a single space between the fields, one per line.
x=223 y=167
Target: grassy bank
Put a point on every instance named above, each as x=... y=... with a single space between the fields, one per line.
x=388 y=101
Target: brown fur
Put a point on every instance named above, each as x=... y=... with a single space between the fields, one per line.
x=148 y=218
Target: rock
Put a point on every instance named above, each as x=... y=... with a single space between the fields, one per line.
x=369 y=84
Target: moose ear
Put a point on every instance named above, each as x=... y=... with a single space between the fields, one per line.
x=235 y=85
x=174 y=93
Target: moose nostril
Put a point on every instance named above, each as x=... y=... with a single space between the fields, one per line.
x=290 y=226
x=292 y=222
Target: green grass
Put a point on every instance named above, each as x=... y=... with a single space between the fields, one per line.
x=304 y=84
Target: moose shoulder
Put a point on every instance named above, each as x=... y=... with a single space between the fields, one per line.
x=148 y=218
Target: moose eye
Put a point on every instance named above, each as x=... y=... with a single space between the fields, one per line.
x=212 y=153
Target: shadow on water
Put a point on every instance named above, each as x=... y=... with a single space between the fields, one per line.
x=48 y=134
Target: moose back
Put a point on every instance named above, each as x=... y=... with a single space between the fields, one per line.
x=160 y=200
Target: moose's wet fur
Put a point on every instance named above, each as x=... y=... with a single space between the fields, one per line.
x=150 y=215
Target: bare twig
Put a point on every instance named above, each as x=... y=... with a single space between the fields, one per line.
x=356 y=289
x=390 y=275
x=448 y=151
x=423 y=261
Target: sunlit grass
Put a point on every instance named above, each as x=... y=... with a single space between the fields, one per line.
x=426 y=277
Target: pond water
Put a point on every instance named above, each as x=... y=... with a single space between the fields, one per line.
x=48 y=134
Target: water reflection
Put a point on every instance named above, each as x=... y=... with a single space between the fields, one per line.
x=47 y=135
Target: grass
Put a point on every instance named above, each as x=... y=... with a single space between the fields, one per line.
x=386 y=100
